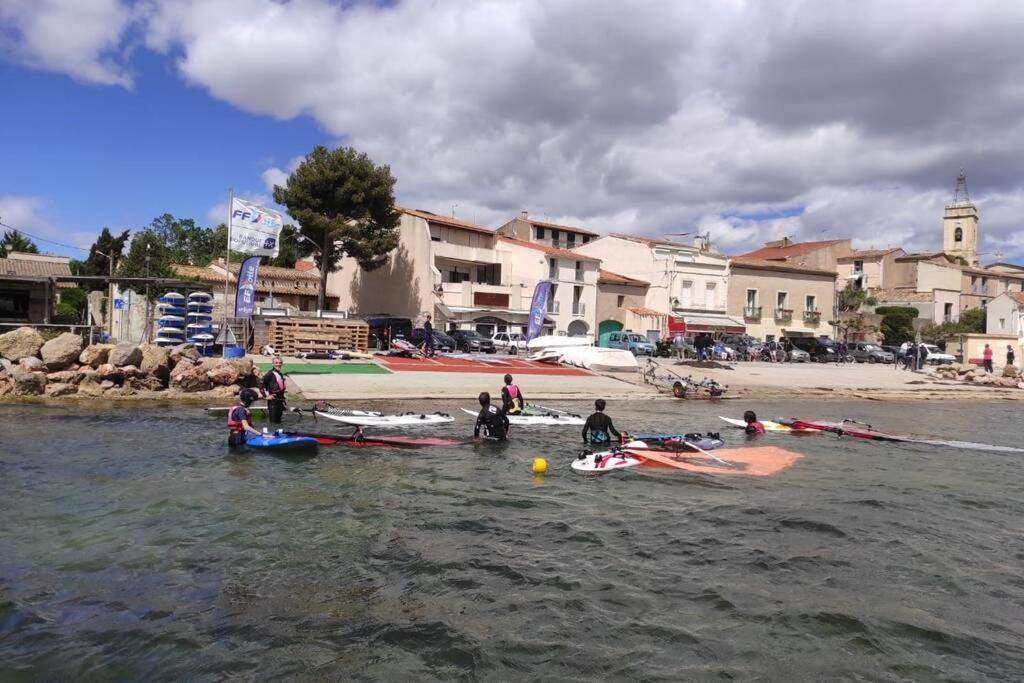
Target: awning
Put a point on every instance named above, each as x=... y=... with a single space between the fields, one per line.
x=645 y=312
x=442 y=311
x=706 y=323
x=799 y=330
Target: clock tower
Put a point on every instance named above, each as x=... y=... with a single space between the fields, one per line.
x=960 y=225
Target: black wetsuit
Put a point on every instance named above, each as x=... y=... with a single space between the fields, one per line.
x=236 y=417
x=275 y=395
x=600 y=429
x=494 y=422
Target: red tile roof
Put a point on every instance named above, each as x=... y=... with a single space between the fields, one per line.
x=795 y=249
x=446 y=221
x=902 y=294
x=610 y=278
x=561 y=253
x=866 y=254
x=783 y=266
x=645 y=312
x=1017 y=296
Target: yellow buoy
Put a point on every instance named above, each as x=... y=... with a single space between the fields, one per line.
x=540 y=465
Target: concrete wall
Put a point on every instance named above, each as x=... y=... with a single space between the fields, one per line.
x=768 y=284
x=970 y=348
x=608 y=307
x=1002 y=316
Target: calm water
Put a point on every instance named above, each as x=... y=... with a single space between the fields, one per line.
x=133 y=547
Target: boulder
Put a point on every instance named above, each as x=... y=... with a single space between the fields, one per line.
x=130 y=371
x=189 y=377
x=27 y=383
x=85 y=373
x=55 y=389
x=5 y=365
x=223 y=392
x=183 y=351
x=108 y=372
x=1008 y=382
x=119 y=391
x=61 y=351
x=223 y=374
x=1020 y=385
x=1011 y=371
x=95 y=355
x=156 y=361
x=20 y=343
x=32 y=364
x=107 y=384
x=89 y=386
x=6 y=385
x=149 y=383
x=63 y=377
x=125 y=353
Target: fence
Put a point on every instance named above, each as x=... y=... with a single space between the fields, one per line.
x=290 y=336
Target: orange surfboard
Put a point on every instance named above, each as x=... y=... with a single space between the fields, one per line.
x=757 y=461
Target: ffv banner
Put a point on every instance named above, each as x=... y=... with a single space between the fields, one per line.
x=538 y=307
x=254 y=229
x=245 y=296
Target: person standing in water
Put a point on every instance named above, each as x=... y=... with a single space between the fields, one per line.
x=273 y=387
x=512 y=401
x=599 y=429
x=491 y=419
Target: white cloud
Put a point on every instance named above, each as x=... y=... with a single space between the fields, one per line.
x=82 y=38
x=29 y=215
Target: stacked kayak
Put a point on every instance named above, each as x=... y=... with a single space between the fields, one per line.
x=171 y=320
x=200 y=321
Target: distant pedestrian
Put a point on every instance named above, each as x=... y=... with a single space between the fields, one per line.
x=910 y=357
x=1010 y=356
x=841 y=352
x=986 y=355
x=922 y=356
x=679 y=342
x=428 y=338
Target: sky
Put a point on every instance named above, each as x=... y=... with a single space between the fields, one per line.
x=748 y=120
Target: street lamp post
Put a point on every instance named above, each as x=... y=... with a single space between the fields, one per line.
x=321 y=286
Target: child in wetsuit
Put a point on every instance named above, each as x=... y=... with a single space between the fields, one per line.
x=240 y=418
x=599 y=428
x=753 y=426
x=512 y=401
x=492 y=419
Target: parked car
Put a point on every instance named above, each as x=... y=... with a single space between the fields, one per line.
x=630 y=341
x=894 y=350
x=442 y=342
x=743 y=343
x=798 y=356
x=866 y=352
x=384 y=328
x=511 y=342
x=937 y=356
x=469 y=341
x=821 y=350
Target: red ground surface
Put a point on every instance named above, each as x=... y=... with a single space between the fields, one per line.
x=514 y=366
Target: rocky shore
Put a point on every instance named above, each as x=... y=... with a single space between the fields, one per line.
x=65 y=367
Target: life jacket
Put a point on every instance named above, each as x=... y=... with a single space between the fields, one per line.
x=514 y=397
x=234 y=422
x=755 y=427
x=280 y=381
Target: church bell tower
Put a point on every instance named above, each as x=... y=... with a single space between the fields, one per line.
x=960 y=225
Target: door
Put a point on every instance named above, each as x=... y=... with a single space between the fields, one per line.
x=608 y=326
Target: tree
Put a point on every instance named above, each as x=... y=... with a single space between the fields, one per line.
x=344 y=203
x=184 y=240
x=104 y=255
x=897 y=324
x=147 y=243
x=288 y=248
x=850 y=300
x=73 y=302
x=973 y=320
x=13 y=240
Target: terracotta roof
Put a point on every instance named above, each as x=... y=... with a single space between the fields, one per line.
x=209 y=274
x=563 y=253
x=202 y=273
x=923 y=256
x=643 y=311
x=446 y=221
x=304 y=265
x=783 y=266
x=901 y=294
x=277 y=272
x=867 y=253
x=795 y=249
x=1016 y=296
x=610 y=278
x=556 y=226
x=41 y=265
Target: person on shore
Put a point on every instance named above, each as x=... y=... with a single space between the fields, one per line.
x=986 y=356
x=787 y=349
x=512 y=401
x=240 y=419
x=909 y=356
x=273 y=388
x=679 y=341
x=428 y=338
x=599 y=429
x=841 y=351
x=1010 y=355
x=922 y=356
x=491 y=419
x=753 y=426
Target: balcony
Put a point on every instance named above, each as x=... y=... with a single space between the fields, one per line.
x=553 y=306
x=474 y=294
x=462 y=253
x=783 y=314
x=812 y=317
x=579 y=309
x=752 y=312
x=579 y=275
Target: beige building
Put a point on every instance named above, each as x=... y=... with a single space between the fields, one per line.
x=864 y=269
x=777 y=299
x=821 y=255
x=621 y=305
x=688 y=284
x=541 y=232
x=283 y=288
x=1004 y=314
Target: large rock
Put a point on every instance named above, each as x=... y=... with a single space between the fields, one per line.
x=32 y=364
x=63 y=377
x=125 y=353
x=130 y=371
x=1011 y=371
x=149 y=383
x=6 y=385
x=61 y=351
x=27 y=383
x=108 y=372
x=183 y=351
x=95 y=355
x=60 y=389
x=5 y=365
x=223 y=374
x=89 y=386
x=20 y=343
x=156 y=361
x=189 y=377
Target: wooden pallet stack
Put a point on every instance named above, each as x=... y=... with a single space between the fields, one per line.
x=290 y=336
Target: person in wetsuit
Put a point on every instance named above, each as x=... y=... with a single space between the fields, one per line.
x=753 y=426
x=240 y=418
x=491 y=419
x=512 y=401
x=273 y=387
x=599 y=429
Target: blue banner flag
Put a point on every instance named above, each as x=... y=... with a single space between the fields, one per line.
x=245 y=296
x=538 y=307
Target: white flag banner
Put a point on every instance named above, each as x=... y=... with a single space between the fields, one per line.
x=254 y=229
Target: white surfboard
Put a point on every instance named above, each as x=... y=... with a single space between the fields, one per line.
x=362 y=418
x=539 y=420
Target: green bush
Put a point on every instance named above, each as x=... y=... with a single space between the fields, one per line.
x=898 y=311
x=897 y=329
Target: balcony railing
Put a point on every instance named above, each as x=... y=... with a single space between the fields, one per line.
x=813 y=317
x=783 y=313
x=553 y=307
x=579 y=309
x=752 y=312
x=579 y=276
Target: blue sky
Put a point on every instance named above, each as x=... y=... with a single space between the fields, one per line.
x=751 y=121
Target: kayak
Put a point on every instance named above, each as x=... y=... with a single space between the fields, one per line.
x=280 y=441
x=769 y=426
x=362 y=418
x=859 y=430
x=550 y=419
x=361 y=439
x=751 y=462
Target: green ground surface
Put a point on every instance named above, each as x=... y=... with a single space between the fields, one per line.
x=328 y=368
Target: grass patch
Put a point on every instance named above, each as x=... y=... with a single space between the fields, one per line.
x=328 y=368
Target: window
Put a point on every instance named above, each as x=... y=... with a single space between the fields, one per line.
x=555 y=238
x=810 y=303
x=621 y=302
x=751 y=298
x=579 y=271
x=553 y=269
x=958 y=234
x=858 y=266
x=1002 y=323
x=586 y=238
x=540 y=233
x=686 y=294
x=570 y=239
x=780 y=300
x=710 y=295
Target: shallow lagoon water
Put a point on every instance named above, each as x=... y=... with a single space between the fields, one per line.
x=134 y=547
